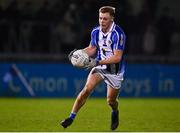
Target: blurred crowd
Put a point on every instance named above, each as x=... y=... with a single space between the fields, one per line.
x=60 y=26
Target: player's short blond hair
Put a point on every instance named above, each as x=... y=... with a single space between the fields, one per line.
x=109 y=9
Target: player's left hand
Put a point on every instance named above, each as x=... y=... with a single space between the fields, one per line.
x=92 y=63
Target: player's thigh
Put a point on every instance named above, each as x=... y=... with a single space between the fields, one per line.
x=92 y=80
x=112 y=93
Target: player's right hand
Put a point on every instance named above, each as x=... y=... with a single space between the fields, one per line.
x=71 y=53
x=92 y=63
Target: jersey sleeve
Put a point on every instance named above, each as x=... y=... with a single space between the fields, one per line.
x=119 y=40
x=93 y=41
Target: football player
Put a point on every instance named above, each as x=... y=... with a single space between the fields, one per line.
x=107 y=44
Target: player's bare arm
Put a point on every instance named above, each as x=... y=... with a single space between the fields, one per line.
x=90 y=50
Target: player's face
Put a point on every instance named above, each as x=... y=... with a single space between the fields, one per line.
x=105 y=21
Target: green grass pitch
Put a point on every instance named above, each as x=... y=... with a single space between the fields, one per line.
x=44 y=115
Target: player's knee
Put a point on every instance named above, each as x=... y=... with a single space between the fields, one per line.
x=86 y=91
x=111 y=102
x=82 y=96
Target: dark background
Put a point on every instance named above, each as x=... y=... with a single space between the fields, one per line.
x=50 y=29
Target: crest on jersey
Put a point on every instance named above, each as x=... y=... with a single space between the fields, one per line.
x=109 y=42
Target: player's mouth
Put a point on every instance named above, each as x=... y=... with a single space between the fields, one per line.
x=103 y=26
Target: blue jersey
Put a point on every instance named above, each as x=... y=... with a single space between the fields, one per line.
x=106 y=44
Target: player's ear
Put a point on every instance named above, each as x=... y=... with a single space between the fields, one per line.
x=112 y=19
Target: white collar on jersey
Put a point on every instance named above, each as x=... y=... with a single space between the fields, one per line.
x=110 y=30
